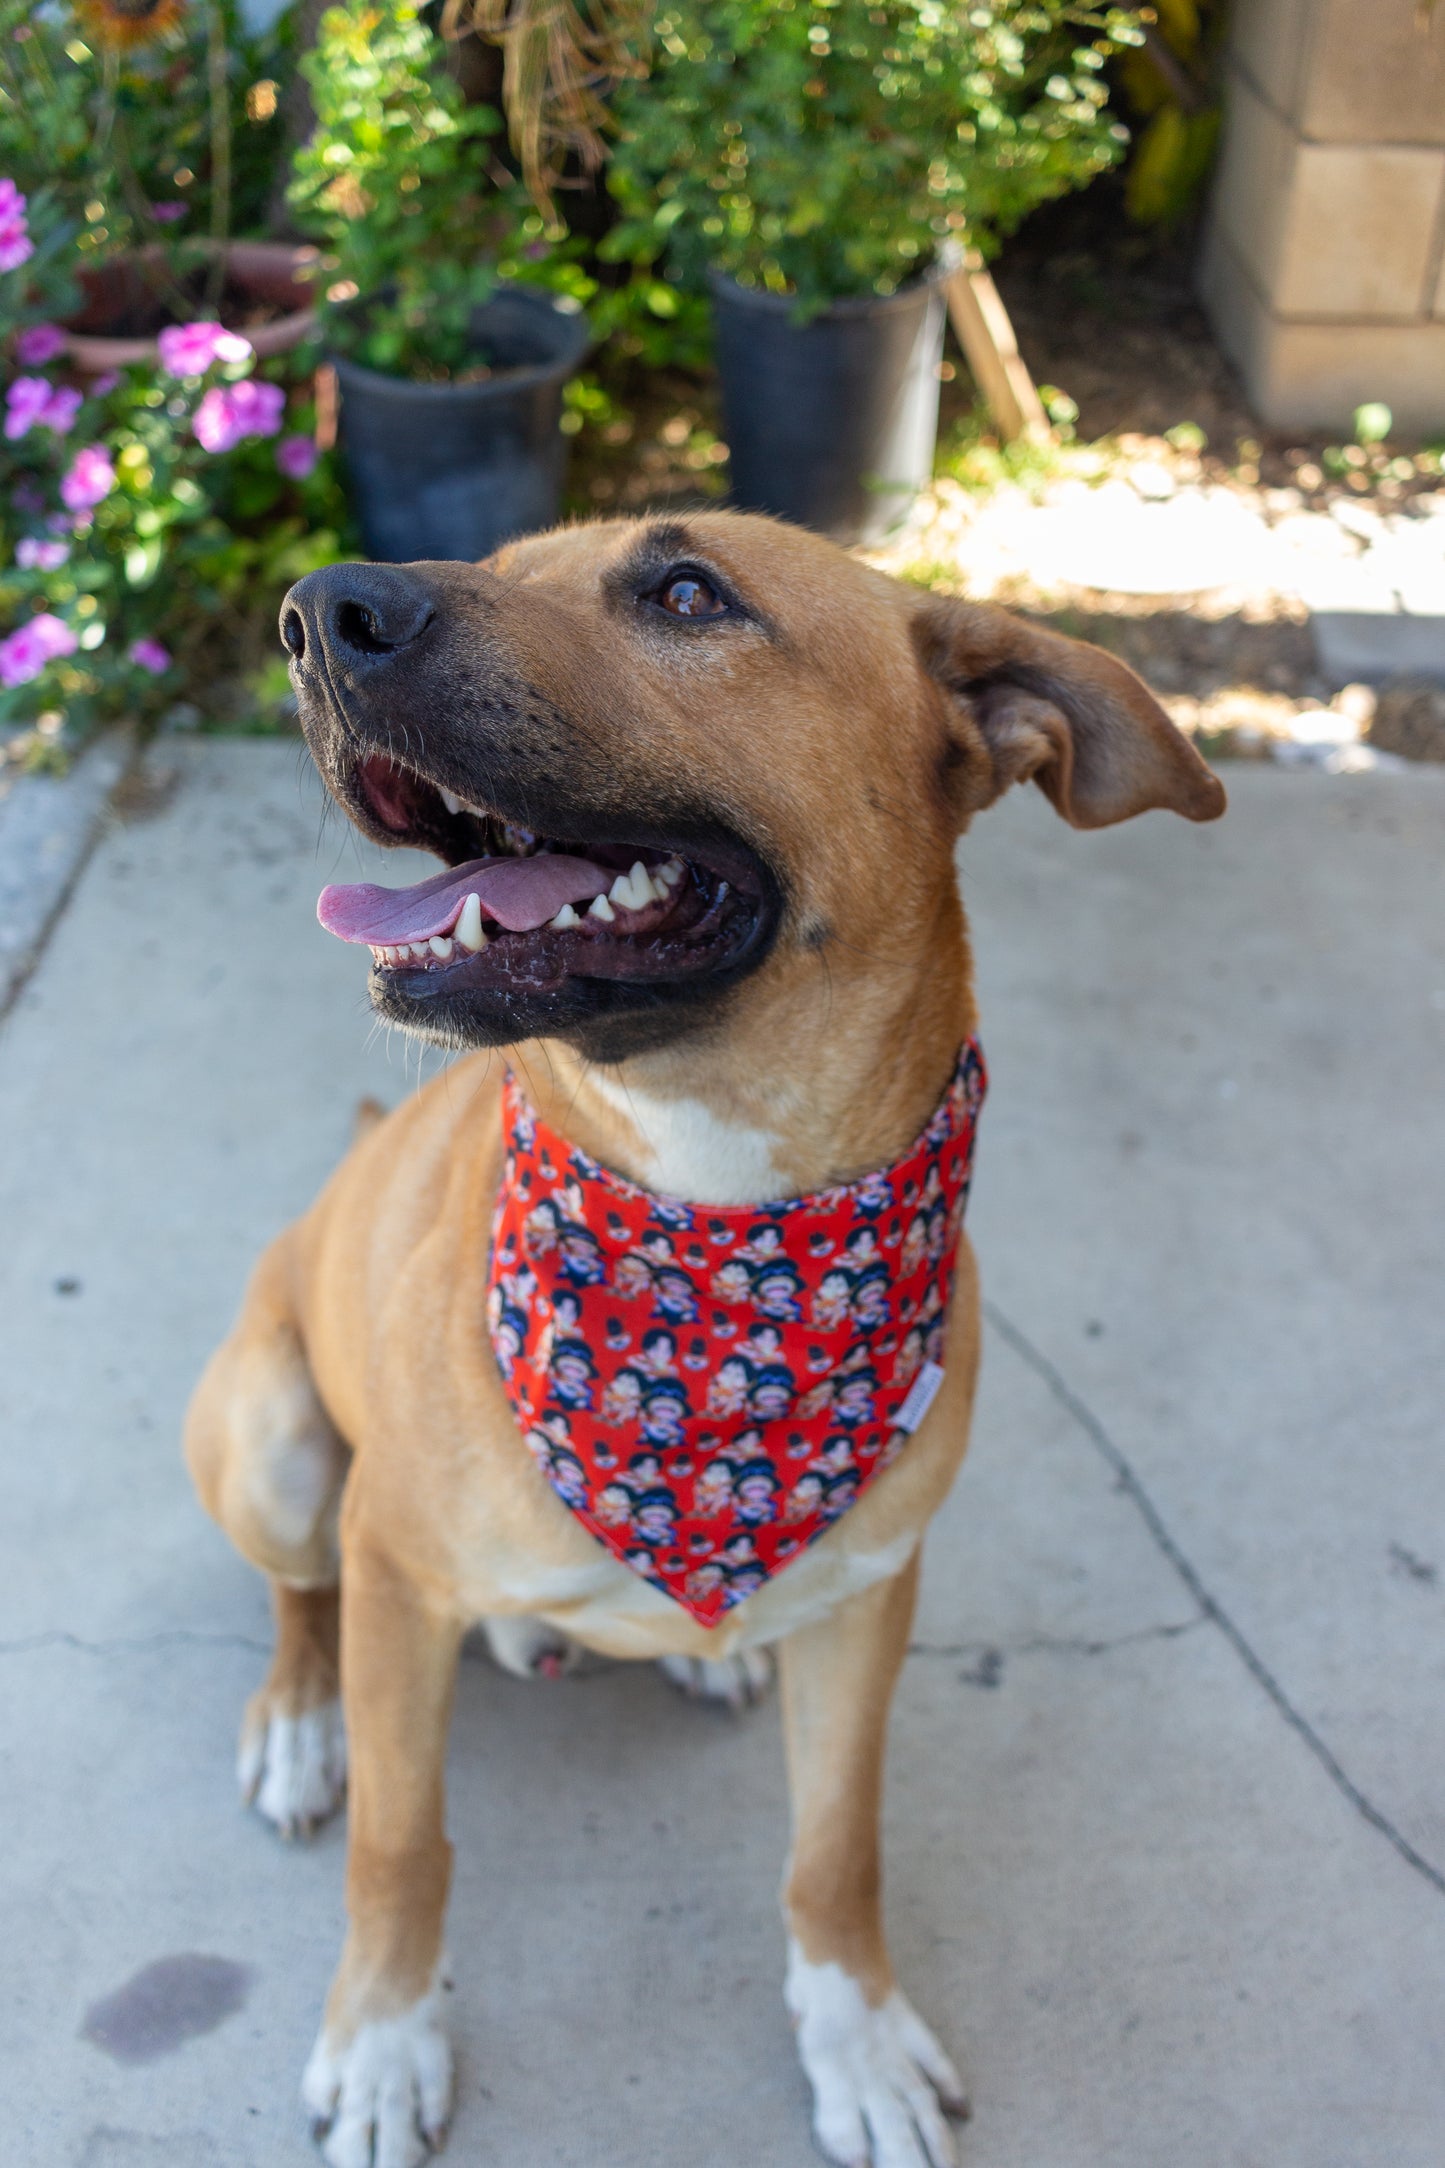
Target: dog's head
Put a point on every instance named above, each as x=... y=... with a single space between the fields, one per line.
x=664 y=759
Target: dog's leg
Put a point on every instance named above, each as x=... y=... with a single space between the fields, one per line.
x=877 y=2073
x=270 y=1468
x=380 y=2073
x=291 y=1764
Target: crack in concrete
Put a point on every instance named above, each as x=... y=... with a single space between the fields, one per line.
x=167 y=1637
x=1117 y=1461
x=1061 y=1644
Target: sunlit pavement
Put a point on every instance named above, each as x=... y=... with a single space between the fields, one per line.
x=1166 y=1819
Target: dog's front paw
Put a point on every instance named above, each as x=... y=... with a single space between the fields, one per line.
x=737 y=1680
x=292 y=1769
x=878 y=2075
x=382 y=2100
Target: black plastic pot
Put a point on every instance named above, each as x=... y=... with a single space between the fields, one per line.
x=453 y=470
x=831 y=423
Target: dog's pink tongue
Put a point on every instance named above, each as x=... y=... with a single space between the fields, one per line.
x=519 y=893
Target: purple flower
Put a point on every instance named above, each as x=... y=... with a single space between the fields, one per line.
x=231 y=412
x=39 y=343
x=25 y=401
x=149 y=655
x=297 y=456
x=89 y=477
x=33 y=401
x=16 y=246
x=190 y=349
x=24 y=655
x=61 y=409
x=35 y=556
x=165 y=212
x=105 y=385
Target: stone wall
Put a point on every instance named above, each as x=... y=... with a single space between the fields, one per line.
x=1324 y=262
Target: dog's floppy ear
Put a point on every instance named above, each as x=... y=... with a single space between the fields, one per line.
x=1071 y=716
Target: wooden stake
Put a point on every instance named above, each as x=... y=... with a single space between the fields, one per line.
x=981 y=323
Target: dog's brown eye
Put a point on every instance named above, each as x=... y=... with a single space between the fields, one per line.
x=688 y=596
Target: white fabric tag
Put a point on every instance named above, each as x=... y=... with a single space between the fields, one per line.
x=921 y=1395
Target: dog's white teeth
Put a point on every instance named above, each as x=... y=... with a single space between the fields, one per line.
x=468 y=928
x=450 y=800
x=441 y=945
x=634 y=890
x=420 y=950
x=599 y=907
x=669 y=873
x=567 y=916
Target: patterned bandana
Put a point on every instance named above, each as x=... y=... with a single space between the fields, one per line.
x=709 y=1387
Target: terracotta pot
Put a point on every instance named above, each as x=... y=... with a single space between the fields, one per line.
x=269 y=271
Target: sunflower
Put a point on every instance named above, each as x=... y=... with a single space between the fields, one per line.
x=123 y=24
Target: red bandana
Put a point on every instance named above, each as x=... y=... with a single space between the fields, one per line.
x=709 y=1387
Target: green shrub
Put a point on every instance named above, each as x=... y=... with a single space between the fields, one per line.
x=828 y=147
x=400 y=183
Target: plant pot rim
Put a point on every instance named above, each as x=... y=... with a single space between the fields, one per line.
x=380 y=383
x=94 y=353
x=942 y=267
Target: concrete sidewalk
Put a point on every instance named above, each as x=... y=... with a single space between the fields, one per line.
x=1167 y=1809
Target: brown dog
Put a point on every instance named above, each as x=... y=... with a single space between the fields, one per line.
x=805 y=739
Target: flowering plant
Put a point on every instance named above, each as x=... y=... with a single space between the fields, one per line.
x=144 y=517
x=147 y=122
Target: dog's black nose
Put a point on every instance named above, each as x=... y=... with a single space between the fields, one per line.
x=356 y=614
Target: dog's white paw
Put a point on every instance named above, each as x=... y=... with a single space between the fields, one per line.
x=529 y=1648
x=737 y=1680
x=292 y=1769
x=382 y=2100
x=878 y=2075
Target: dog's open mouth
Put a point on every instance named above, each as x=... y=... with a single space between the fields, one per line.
x=518 y=913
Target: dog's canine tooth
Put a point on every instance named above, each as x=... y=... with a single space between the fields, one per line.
x=468 y=928
x=599 y=907
x=442 y=945
x=450 y=800
x=566 y=917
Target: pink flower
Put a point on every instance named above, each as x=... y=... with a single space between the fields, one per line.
x=231 y=412
x=89 y=477
x=165 y=212
x=105 y=385
x=297 y=456
x=16 y=246
x=190 y=349
x=149 y=655
x=25 y=402
x=39 y=343
x=24 y=655
x=35 y=556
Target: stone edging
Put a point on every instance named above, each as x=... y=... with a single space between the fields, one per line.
x=48 y=827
